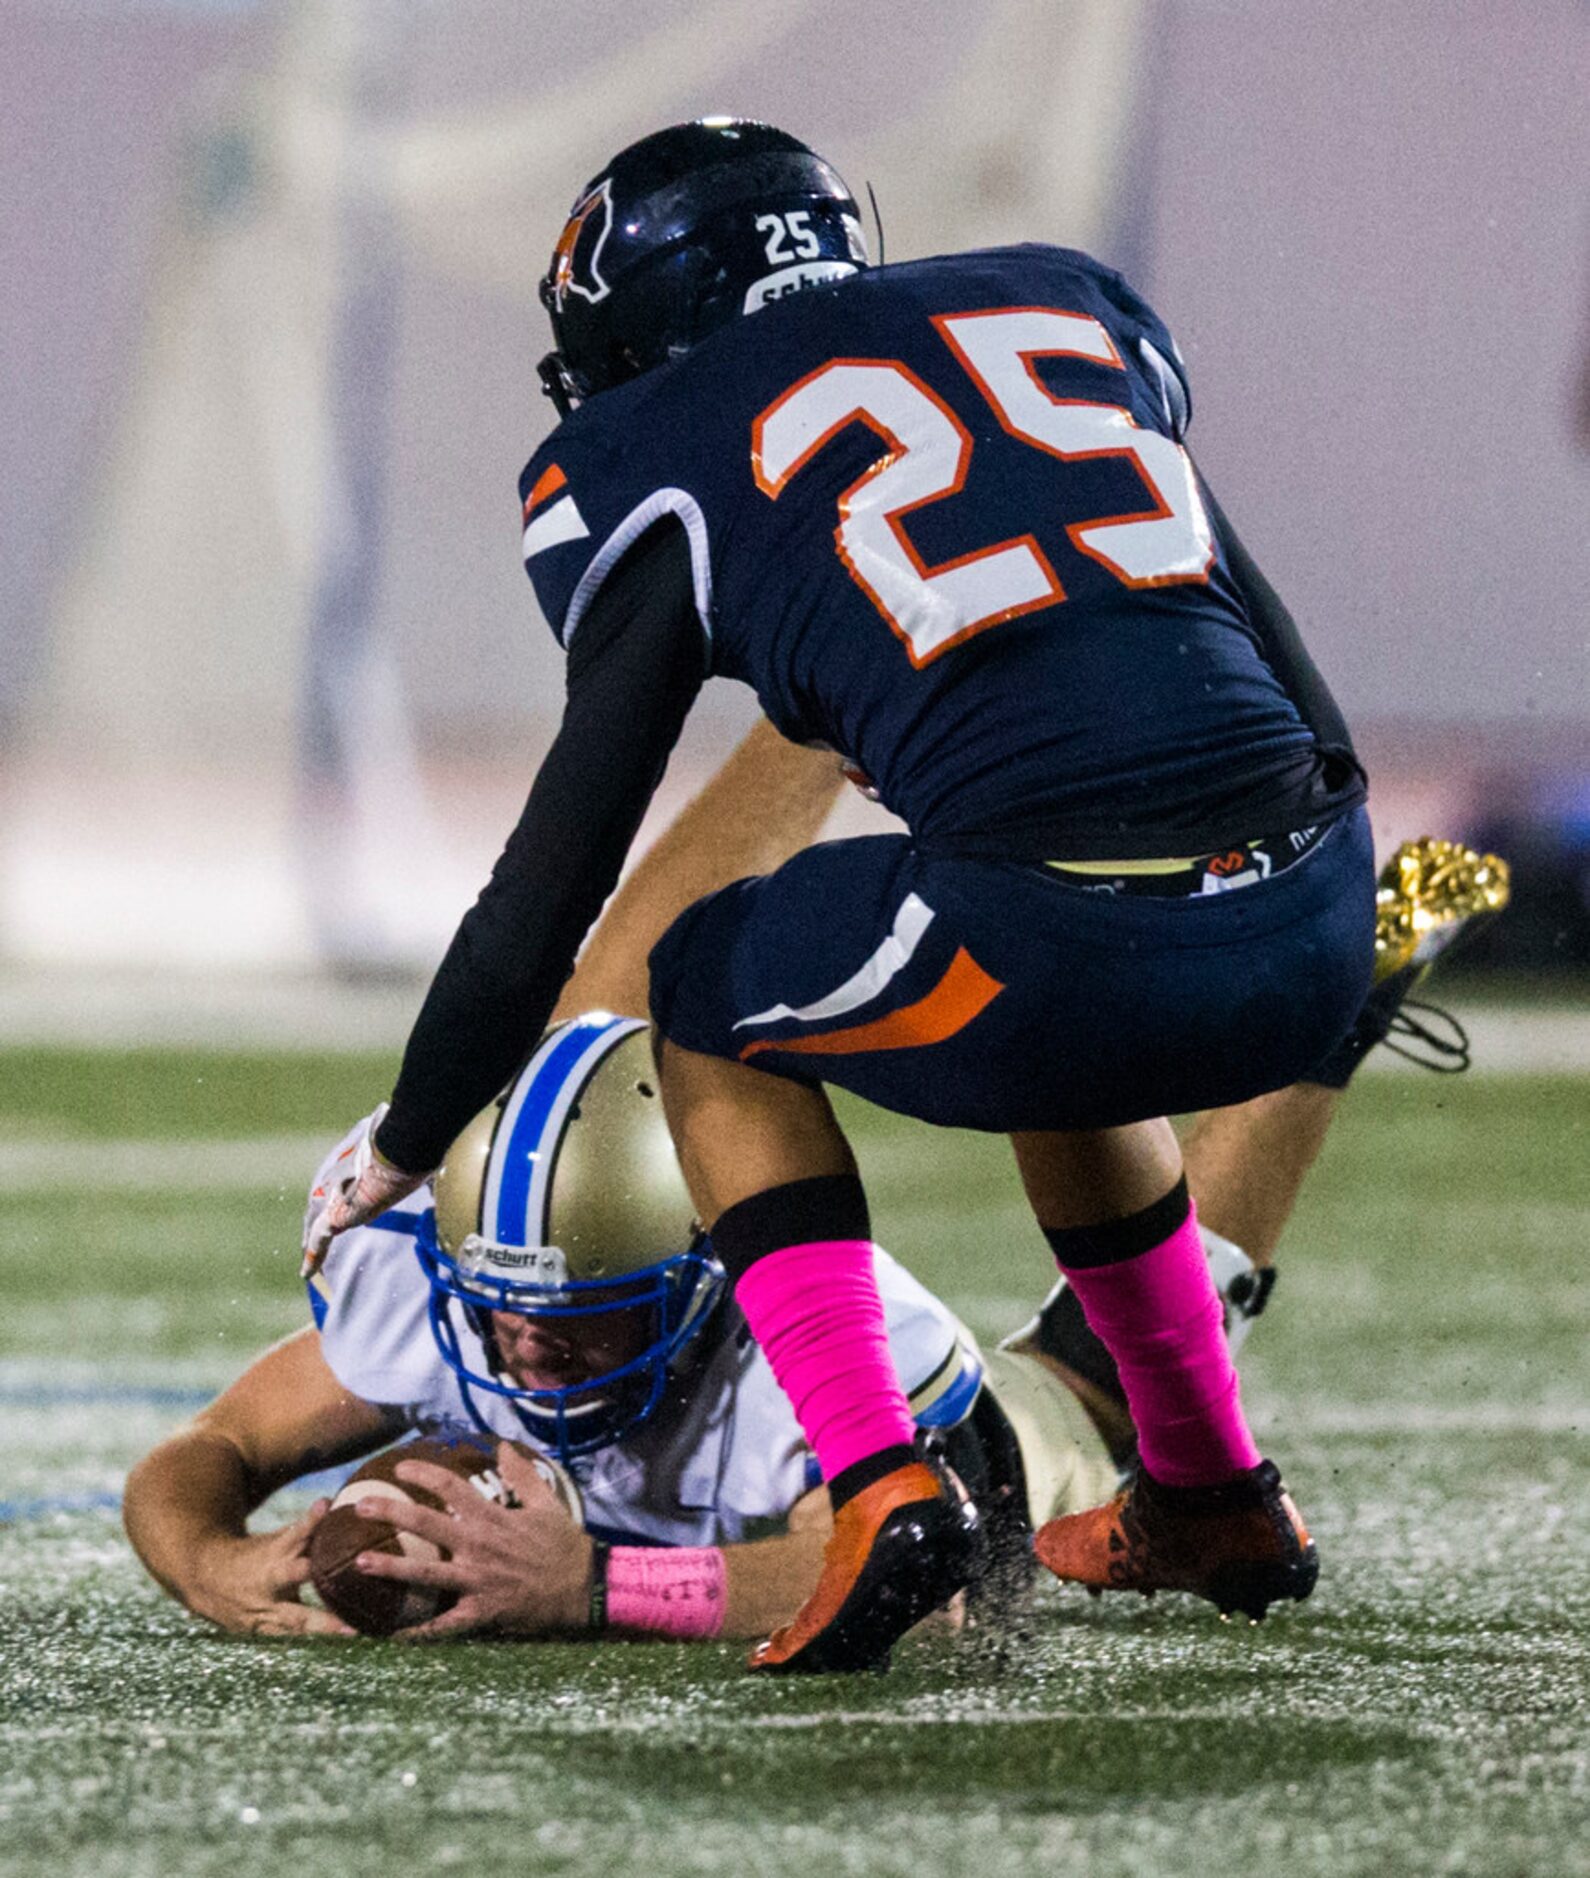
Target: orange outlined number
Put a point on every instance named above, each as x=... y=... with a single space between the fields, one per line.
x=1159 y=546
x=928 y=450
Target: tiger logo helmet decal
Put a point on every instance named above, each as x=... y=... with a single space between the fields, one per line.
x=576 y=261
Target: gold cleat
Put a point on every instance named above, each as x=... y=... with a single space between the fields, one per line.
x=1429 y=892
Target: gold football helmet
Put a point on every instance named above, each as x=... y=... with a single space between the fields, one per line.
x=564 y=1201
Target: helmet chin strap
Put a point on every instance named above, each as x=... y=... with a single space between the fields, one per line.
x=692 y=1353
x=556 y=383
x=877 y=219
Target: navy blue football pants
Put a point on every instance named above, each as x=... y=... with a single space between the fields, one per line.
x=995 y=995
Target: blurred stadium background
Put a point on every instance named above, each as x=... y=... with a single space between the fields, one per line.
x=272 y=687
x=272 y=682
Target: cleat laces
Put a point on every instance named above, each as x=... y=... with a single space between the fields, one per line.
x=1441 y=1045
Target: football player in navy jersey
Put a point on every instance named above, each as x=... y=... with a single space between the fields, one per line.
x=690 y=1471
x=941 y=517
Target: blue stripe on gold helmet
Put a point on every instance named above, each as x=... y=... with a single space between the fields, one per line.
x=562 y=1205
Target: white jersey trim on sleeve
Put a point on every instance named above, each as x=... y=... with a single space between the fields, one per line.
x=659 y=503
x=553 y=526
x=1172 y=383
x=946 y=1397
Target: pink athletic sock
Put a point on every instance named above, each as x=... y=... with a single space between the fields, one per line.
x=1160 y=1317
x=816 y=1312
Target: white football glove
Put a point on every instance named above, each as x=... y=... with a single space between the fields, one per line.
x=360 y=1186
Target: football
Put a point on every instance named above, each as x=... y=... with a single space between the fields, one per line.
x=379 y=1606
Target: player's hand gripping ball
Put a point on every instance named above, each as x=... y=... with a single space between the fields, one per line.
x=380 y=1606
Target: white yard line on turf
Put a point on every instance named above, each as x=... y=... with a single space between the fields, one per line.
x=254 y=1164
x=54 y=1395
x=1395 y=1419
x=1509 y=1039
x=564 y=1725
x=47 y=1006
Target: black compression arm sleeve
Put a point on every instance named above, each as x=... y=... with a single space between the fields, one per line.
x=1281 y=641
x=636 y=662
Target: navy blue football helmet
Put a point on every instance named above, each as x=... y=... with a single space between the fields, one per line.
x=563 y=1204
x=680 y=234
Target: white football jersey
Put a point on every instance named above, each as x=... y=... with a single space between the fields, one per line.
x=724 y=1452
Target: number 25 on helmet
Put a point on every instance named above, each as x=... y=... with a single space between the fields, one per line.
x=681 y=233
x=562 y=1205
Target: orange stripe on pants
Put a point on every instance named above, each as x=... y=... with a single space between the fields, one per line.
x=964 y=991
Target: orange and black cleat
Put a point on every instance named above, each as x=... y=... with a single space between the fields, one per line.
x=900 y=1549
x=1241 y=1544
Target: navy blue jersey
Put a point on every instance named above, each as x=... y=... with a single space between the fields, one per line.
x=941 y=519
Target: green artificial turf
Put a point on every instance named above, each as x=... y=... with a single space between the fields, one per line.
x=1421 y=1375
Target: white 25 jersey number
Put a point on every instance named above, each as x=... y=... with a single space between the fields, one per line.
x=929 y=450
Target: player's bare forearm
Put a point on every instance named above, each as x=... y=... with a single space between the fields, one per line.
x=769 y=800
x=187 y=1503
x=185 y=1509
x=184 y=1497
x=767 y=1581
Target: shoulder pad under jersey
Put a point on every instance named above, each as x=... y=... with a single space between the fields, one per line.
x=370 y=1303
x=1149 y=339
x=388 y=1238
x=587 y=496
x=1042 y=274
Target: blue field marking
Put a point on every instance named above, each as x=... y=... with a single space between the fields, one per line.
x=14 y=1511
x=87 y=1395
x=326 y=1484
x=102 y=1394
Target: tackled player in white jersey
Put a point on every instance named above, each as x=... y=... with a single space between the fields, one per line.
x=559 y=1296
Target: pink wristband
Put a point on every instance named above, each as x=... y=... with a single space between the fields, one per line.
x=666 y=1591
